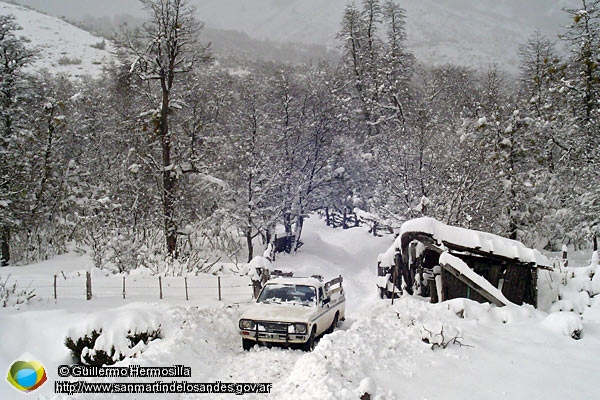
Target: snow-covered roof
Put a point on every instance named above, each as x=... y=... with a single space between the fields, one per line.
x=472 y=239
x=467 y=238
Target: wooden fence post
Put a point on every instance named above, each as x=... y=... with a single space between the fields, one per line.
x=564 y=256
x=123 y=288
x=219 y=283
x=88 y=285
x=160 y=286
x=186 y=289
x=54 y=287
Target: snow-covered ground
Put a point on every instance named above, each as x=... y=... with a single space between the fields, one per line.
x=499 y=353
x=62 y=49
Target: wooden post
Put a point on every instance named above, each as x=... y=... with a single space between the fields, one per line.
x=564 y=256
x=123 y=288
x=186 y=289
x=88 y=285
x=219 y=283
x=595 y=242
x=160 y=286
x=394 y=279
x=54 y=287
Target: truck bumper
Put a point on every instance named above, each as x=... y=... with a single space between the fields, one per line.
x=268 y=337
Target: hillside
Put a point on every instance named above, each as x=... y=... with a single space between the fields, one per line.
x=61 y=47
x=465 y=32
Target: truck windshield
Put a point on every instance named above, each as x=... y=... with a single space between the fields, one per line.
x=278 y=293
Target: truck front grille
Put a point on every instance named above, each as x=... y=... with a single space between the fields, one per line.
x=272 y=327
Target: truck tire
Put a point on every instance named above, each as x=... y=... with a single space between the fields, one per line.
x=310 y=344
x=247 y=344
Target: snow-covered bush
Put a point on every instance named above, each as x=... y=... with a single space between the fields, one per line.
x=106 y=338
x=567 y=323
x=11 y=294
x=87 y=350
x=441 y=336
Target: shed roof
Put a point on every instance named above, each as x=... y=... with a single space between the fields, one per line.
x=482 y=242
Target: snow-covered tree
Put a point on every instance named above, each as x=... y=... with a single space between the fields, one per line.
x=14 y=167
x=162 y=51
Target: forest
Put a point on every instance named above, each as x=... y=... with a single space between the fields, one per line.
x=179 y=157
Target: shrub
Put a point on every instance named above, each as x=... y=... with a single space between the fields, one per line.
x=11 y=295
x=91 y=349
x=64 y=60
x=100 y=45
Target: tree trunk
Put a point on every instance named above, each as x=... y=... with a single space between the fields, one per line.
x=4 y=246
x=169 y=182
x=287 y=223
x=249 y=243
x=299 y=226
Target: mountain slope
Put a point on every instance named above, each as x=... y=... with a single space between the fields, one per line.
x=465 y=32
x=61 y=47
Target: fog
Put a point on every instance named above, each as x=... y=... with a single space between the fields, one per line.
x=474 y=32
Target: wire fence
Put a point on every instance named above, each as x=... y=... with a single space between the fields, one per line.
x=58 y=287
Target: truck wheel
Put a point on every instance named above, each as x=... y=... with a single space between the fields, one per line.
x=310 y=344
x=247 y=344
x=334 y=324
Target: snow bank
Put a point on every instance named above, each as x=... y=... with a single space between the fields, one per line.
x=567 y=323
x=594 y=272
x=548 y=289
x=596 y=282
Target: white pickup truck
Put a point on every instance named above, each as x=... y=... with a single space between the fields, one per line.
x=293 y=312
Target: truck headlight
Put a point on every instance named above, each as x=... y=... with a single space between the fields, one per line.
x=247 y=324
x=300 y=328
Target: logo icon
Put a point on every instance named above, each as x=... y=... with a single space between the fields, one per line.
x=26 y=374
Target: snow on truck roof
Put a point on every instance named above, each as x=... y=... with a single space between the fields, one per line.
x=467 y=238
x=296 y=281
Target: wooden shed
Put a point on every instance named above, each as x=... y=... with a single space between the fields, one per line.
x=445 y=262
